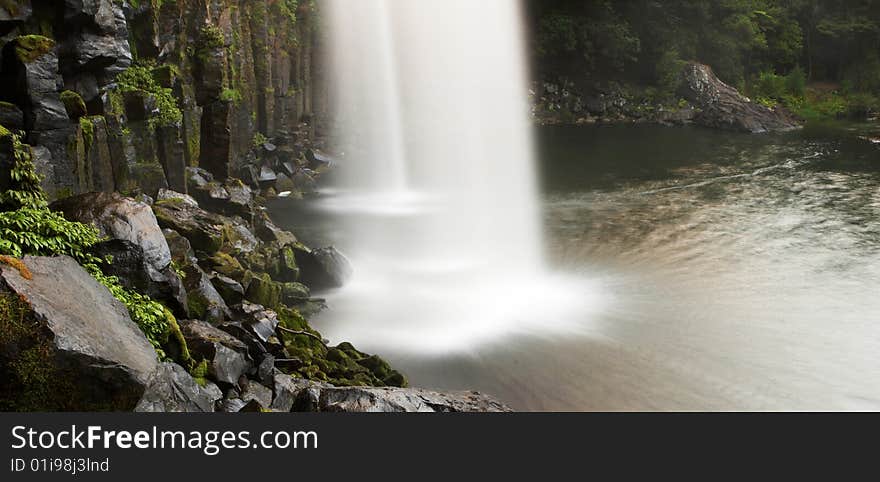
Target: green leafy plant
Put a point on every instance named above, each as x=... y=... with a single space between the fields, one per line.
x=28 y=227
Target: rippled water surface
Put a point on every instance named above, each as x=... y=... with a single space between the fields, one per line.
x=718 y=271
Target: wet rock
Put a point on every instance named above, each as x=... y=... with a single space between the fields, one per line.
x=197 y=178
x=131 y=268
x=266 y=371
x=231 y=405
x=230 y=290
x=216 y=138
x=11 y=117
x=257 y=351
x=174 y=390
x=258 y=320
x=267 y=176
x=262 y=290
x=204 y=230
x=35 y=66
x=359 y=399
x=98 y=352
x=287 y=391
x=304 y=181
x=322 y=268
x=249 y=175
x=118 y=217
x=253 y=391
x=204 y=302
x=97 y=40
x=239 y=237
x=226 y=265
x=227 y=356
x=318 y=160
x=97 y=152
x=268 y=232
x=169 y=195
x=233 y=198
x=293 y=293
x=284 y=183
x=721 y=106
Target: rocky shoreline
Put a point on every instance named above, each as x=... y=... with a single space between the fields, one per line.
x=234 y=286
x=704 y=100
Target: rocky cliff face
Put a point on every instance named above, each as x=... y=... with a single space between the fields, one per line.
x=124 y=95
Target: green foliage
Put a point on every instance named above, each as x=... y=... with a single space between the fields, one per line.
x=140 y=78
x=230 y=95
x=28 y=227
x=211 y=37
x=25 y=191
x=641 y=42
x=259 y=139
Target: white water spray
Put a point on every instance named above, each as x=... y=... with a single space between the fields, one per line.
x=438 y=185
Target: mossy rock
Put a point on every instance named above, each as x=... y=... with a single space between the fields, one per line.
x=342 y=365
x=74 y=104
x=29 y=48
x=228 y=266
x=262 y=290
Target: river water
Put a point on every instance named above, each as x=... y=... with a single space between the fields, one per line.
x=717 y=271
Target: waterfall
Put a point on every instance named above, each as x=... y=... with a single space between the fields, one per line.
x=437 y=186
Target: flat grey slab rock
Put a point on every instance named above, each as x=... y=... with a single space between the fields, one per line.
x=92 y=331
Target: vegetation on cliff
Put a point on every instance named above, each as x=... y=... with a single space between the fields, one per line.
x=817 y=57
x=29 y=227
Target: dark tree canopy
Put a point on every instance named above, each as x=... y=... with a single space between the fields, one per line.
x=749 y=43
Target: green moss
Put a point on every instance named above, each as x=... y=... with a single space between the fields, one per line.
x=231 y=95
x=87 y=126
x=74 y=104
x=140 y=78
x=200 y=373
x=342 y=365
x=228 y=266
x=31 y=47
x=263 y=291
x=211 y=37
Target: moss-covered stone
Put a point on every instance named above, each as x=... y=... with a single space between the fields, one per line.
x=342 y=365
x=228 y=266
x=74 y=104
x=31 y=47
x=262 y=290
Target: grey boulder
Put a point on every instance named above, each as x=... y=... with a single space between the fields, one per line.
x=174 y=390
x=100 y=348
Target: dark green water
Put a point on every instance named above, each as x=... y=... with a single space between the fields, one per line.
x=731 y=272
